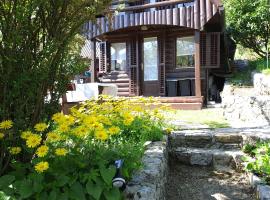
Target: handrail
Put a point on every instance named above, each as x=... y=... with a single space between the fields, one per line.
x=152 y=5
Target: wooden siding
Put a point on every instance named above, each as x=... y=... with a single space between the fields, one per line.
x=194 y=16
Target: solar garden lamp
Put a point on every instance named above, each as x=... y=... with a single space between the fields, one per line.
x=118 y=180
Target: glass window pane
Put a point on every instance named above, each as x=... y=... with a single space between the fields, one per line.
x=185 y=48
x=118 y=56
x=150 y=57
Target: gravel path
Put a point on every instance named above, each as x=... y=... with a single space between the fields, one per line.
x=202 y=183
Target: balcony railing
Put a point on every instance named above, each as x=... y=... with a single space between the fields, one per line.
x=185 y=13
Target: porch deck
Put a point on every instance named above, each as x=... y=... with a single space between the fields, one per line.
x=179 y=103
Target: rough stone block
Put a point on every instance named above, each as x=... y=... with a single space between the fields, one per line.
x=202 y=159
x=228 y=138
x=263 y=192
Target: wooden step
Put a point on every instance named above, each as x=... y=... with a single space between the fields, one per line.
x=123 y=94
x=120 y=80
x=126 y=89
x=115 y=76
x=122 y=85
x=221 y=160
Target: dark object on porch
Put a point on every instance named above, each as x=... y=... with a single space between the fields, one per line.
x=185 y=87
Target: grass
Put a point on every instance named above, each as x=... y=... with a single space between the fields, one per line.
x=213 y=118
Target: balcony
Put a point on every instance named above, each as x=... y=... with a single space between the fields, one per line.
x=192 y=14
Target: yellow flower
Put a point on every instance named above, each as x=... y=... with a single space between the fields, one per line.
x=89 y=120
x=40 y=127
x=128 y=120
x=97 y=125
x=63 y=128
x=41 y=166
x=42 y=151
x=53 y=137
x=101 y=135
x=60 y=151
x=33 y=141
x=81 y=131
x=26 y=134
x=2 y=135
x=7 y=124
x=69 y=120
x=114 y=130
x=15 y=150
x=58 y=117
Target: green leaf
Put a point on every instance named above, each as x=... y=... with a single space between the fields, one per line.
x=6 y=180
x=112 y=194
x=63 y=196
x=94 y=190
x=43 y=196
x=62 y=180
x=77 y=191
x=26 y=189
x=53 y=195
x=107 y=174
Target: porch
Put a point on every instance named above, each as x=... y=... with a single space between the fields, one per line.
x=158 y=50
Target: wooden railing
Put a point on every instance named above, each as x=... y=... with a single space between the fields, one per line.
x=194 y=16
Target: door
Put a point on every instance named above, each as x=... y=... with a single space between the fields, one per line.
x=150 y=67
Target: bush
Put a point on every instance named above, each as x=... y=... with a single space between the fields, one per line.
x=75 y=158
x=257 y=160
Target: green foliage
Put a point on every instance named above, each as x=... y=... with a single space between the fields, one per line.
x=257 y=159
x=40 y=49
x=244 y=77
x=248 y=23
x=91 y=138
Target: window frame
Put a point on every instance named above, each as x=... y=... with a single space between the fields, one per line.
x=118 y=42
x=178 y=67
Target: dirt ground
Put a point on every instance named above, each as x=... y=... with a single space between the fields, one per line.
x=202 y=183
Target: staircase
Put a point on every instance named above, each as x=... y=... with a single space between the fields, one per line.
x=220 y=150
x=119 y=79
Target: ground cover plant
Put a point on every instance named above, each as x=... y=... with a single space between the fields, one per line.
x=257 y=160
x=72 y=156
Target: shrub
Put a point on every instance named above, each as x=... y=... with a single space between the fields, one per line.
x=257 y=160
x=75 y=159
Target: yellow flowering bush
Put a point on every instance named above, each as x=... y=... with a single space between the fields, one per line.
x=75 y=153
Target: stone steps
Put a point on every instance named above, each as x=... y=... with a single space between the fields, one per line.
x=221 y=160
x=205 y=138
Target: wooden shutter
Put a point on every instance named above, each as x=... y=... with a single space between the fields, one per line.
x=132 y=59
x=104 y=57
x=161 y=67
x=210 y=50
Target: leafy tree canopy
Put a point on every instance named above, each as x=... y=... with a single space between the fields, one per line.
x=39 y=52
x=248 y=23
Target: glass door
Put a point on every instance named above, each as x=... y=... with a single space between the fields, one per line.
x=150 y=66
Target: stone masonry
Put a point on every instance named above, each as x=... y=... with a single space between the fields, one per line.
x=149 y=183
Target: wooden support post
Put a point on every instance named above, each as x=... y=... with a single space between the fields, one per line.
x=197 y=65
x=93 y=61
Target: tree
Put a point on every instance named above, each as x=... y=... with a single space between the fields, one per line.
x=248 y=22
x=39 y=52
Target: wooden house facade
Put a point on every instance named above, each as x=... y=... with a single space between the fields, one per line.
x=168 y=49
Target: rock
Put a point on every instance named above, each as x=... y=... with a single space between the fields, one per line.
x=228 y=138
x=263 y=192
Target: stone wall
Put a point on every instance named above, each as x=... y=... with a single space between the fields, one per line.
x=261 y=83
x=245 y=107
x=149 y=183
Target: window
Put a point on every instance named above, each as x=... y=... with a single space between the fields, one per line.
x=185 y=52
x=118 y=56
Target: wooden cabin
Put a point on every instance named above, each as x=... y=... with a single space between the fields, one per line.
x=172 y=49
